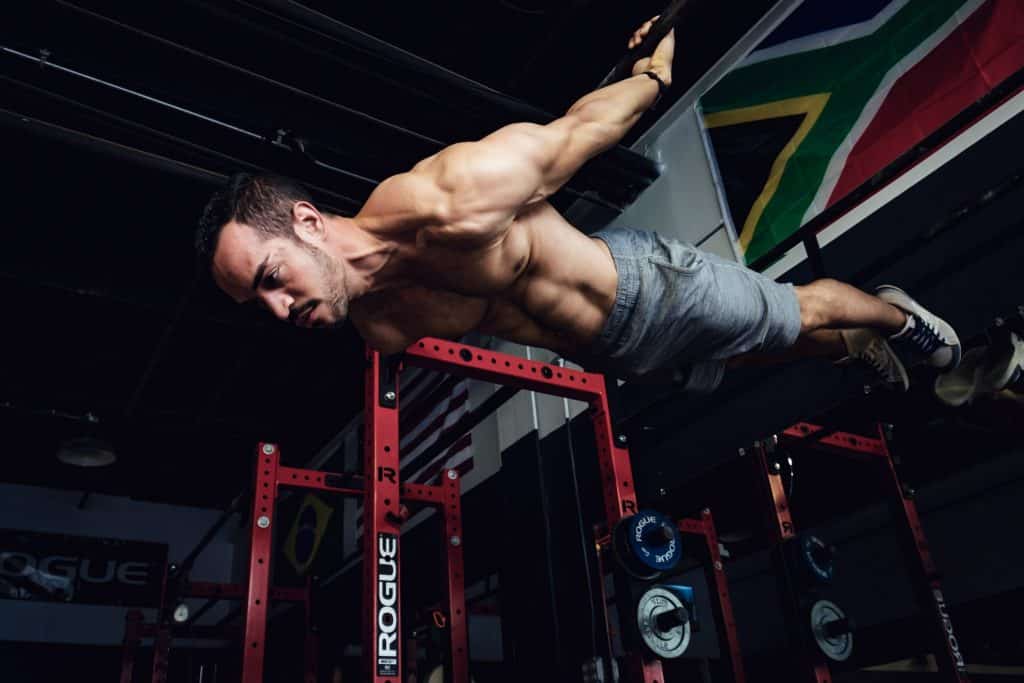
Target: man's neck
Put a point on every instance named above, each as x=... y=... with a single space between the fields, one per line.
x=363 y=254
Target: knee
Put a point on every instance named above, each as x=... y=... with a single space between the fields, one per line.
x=818 y=303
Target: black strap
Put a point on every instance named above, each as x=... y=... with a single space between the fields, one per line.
x=662 y=88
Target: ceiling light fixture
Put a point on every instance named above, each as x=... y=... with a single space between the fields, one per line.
x=86 y=451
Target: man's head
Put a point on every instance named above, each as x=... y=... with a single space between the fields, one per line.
x=265 y=241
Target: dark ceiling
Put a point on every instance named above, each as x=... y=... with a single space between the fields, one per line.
x=119 y=118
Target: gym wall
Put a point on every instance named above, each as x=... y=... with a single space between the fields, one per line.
x=56 y=511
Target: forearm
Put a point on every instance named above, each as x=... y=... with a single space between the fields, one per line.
x=491 y=179
x=610 y=112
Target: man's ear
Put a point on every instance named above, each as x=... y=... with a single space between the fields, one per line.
x=308 y=223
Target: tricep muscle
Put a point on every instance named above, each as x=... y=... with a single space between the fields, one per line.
x=490 y=181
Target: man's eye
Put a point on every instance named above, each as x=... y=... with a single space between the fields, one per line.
x=272 y=279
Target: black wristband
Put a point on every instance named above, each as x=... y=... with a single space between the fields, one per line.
x=662 y=88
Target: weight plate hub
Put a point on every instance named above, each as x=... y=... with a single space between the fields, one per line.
x=667 y=643
x=837 y=646
x=180 y=614
x=647 y=544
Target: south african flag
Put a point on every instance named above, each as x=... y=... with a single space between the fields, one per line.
x=838 y=91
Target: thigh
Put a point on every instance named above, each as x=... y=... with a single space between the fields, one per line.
x=733 y=310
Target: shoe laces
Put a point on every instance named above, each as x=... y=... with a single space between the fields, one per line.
x=924 y=336
x=874 y=354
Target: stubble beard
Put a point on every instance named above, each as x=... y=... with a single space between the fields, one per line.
x=335 y=285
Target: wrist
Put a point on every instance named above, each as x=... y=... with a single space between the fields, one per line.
x=662 y=86
x=662 y=71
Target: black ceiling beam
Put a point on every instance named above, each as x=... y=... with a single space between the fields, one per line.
x=331 y=104
x=303 y=151
x=34 y=126
x=261 y=154
x=612 y=180
x=383 y=50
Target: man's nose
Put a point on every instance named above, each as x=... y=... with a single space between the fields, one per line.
x=280 y=304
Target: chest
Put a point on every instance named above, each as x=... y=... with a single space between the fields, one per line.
x=484 y=271
x=392 y=320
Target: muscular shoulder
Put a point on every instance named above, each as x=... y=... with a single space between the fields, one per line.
x=466 y=168
x=403 y=202
x=468 y=194
x=489 y=182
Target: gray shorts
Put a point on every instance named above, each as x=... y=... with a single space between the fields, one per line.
x=680 y=310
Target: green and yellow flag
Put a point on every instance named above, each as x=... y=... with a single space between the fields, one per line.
x=838 y=91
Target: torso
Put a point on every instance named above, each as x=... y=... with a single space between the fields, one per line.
x=543 y=284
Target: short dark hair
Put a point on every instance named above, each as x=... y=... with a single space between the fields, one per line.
x=262 y=201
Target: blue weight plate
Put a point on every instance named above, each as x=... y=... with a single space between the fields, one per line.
x=654 y=540
x=821 y=570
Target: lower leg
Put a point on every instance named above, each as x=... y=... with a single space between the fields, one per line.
x=830 y=304
x=816 y=344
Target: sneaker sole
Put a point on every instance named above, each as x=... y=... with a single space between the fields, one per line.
x=900 y=299
x=953 y=389
x=959 y=387
x=1004 y=377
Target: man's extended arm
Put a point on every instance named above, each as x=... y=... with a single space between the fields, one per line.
x=482 y=185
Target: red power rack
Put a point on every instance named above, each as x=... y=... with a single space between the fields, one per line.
x=384 y=495
x=383 y=648
x=924 y=574
x=721 y=603
x=613 y=460
x=615 y=470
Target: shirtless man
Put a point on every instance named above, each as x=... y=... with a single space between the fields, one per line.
x=466 y=241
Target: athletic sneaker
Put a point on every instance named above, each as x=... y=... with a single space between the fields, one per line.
x=985 y=370
x=926 y=337
x=871 y=348
x=1015 y=383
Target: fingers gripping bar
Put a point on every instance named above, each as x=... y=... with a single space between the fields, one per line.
x=665 y=23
